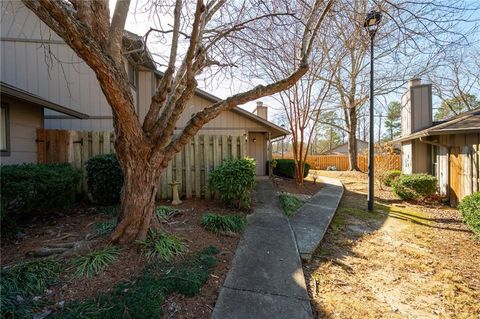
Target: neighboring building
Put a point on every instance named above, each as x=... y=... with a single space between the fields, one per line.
x=362 y=146
x=64 y=80
x=450 y=149
x=21 y=114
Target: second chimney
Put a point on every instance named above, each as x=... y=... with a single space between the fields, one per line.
x=261 y=111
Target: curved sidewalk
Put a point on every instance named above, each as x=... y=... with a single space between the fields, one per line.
x=266 y=277
x=311 y=221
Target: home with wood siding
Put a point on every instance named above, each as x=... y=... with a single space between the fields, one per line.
x=448 y=149
x=38 y=63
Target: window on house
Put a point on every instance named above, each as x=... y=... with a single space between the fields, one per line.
x=4 y=130
x=132 y=74
x=434 y=153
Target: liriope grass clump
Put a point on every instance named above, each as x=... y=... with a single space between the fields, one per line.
x=162 y=245
x=217 y=223
x=290 y=204
x=94 y=262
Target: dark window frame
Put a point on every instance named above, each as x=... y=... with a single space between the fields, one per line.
x=132 y=74
x=6 y=151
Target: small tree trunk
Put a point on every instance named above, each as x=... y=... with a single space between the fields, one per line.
x=299 y=171
x=137 y=201
x=352 y=141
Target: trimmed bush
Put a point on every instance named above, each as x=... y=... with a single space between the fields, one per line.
x=415 y=186
x=233 y=180
x=104 y=179
x=286 y=168
x=470 y=209
x=390 y=177
x=29 y=189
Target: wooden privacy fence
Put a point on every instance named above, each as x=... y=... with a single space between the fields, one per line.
x=190 y=167
x=321 y=162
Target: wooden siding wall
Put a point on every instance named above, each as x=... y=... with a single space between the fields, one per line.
x=23 y=119
x=190 y=167
x=321 y=162
x=467 y=181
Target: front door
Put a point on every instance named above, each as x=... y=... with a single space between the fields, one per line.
x=257 y=151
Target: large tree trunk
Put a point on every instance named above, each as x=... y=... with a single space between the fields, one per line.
x=352 y=140
x=141 y=179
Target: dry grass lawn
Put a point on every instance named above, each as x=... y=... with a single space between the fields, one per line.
x=402 y=261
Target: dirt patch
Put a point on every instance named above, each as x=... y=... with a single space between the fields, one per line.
x=405 y=260
x=287 y=185
x=77 y=223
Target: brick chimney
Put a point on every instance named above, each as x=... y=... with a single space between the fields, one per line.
x=261 y=110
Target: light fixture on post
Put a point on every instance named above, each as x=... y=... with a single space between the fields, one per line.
x=372 y=20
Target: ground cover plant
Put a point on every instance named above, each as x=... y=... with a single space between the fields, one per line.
x=94 y=262
x=145 y=296
x=218 y=223
x=233 y=181
x=105 y=227
x=165 y=212
x=162 y=245
x=290 y=204
x=79 y=225
x=24 y=281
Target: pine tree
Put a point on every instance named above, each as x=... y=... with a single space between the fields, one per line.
x=392 y=122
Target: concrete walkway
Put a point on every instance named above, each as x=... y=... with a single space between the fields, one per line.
x=310 y=223
x=266 y=278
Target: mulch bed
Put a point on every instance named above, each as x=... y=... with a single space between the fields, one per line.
x=76 y=223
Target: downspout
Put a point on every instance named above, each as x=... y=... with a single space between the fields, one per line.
x=269 y=156
x=421 y=139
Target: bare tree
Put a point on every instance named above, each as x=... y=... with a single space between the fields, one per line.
x=301 y=103
x=213 y=35
x=410 y=42
x=456 y=82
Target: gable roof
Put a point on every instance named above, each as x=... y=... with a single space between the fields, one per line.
x=136 y=50
x=468 y=122
x=360 y=143
x=22 y=95
x=277 y=130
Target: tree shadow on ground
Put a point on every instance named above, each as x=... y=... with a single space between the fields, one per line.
x=353 y=223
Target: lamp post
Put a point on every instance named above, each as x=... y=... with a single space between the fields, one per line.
x=372 y=21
